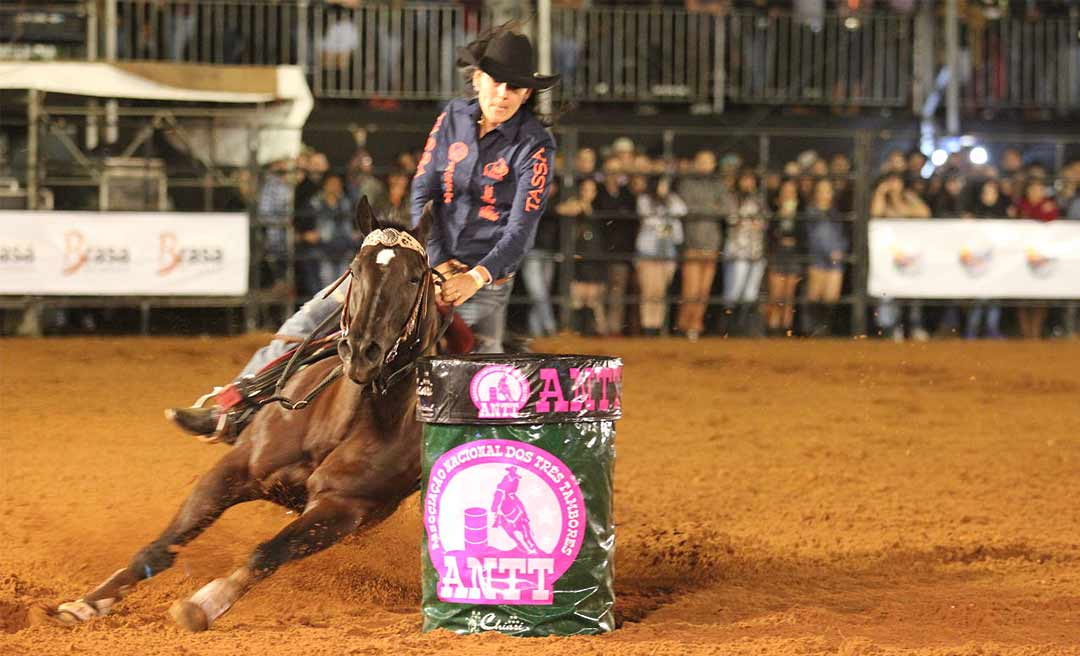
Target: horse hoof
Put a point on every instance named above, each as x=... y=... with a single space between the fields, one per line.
x=189 y=616
x=75 y=612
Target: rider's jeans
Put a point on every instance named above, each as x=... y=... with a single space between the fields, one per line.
x=485 y=313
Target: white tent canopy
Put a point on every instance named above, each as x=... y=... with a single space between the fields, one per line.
x=278 y=99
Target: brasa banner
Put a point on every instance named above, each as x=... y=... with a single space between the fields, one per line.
x=517 y=482
x=974 y=258
x=123 y=253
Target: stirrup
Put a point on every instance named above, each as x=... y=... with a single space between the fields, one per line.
x=228 y=399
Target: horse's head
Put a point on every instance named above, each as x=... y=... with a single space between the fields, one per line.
x=389 y=316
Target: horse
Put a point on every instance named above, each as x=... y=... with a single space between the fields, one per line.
x=344 y=463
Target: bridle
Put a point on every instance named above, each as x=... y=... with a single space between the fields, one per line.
x=411 y=334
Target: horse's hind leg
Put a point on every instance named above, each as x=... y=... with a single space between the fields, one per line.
x=324 y=522
x=226 y=484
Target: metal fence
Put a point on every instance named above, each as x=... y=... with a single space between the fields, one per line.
x=844 y=60
x=614 y=54
x=407 y=51
x=651 y=55
x=1020 y=63
x=211 y=31
x=402 y=52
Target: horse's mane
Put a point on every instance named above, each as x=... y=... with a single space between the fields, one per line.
x=397 y=220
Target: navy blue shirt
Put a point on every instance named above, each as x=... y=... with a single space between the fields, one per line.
x=489 y=195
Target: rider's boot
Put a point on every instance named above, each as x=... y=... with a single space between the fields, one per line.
x=220 y=421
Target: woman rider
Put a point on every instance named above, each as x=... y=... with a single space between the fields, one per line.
x=486 y=166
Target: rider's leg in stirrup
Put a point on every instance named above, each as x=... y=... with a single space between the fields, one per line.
x=220 y=420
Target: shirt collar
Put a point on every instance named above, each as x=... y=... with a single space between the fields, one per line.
x=509 y=128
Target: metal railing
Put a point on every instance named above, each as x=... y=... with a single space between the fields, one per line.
x=211 y=31
x=389 y=51
x=846 y=60
x=1020 y=63
x=651 y=55
x=605 y=54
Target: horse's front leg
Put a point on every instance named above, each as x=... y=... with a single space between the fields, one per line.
x=226 y=484
x=325 y=521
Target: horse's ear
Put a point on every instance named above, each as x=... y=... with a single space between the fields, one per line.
x=427 y=218
x=364 y=220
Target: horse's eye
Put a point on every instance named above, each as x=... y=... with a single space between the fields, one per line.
x=415 y=280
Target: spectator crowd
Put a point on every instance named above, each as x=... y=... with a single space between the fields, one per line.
x=691 y=246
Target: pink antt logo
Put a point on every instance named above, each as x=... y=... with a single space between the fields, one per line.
x=504 y=521
x=499 y=391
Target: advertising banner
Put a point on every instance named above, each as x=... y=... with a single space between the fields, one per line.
x=123 y=254
x=974 y=258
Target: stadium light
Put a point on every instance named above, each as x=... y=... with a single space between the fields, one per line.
x=939 y=157
x=978 y=156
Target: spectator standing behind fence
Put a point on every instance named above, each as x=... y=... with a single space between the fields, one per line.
x=616 y=209
x=274 y=212
x=744 y=258
x=538 y=270
x=340 y=40
x=951 y=202
x=827 y=244
x=584 y=163
x=891 y=200
x=656 y=247
x=1070 y=191
x=1034 y=204
x=785 y=250
x=987 y=204
x=588 y=287
x=362 y=180
x=332 y=233
x=707 y=202
x=395 y=204
x=843 y=192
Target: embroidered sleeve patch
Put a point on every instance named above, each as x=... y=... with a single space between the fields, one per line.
x=429 y=146
x=538 y=183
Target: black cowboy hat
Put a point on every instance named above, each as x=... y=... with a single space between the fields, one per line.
x=506 y=57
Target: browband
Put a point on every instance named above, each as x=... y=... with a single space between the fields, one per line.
x=390 y=237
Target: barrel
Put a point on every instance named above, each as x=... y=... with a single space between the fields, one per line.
x=517 y=460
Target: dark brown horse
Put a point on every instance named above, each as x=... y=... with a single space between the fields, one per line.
x=344 y=463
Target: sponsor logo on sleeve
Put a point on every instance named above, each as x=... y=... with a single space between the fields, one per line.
x=538 y=183
x=457 y=152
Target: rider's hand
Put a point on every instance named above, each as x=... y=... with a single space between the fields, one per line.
x=464 y=286
x=459 y=289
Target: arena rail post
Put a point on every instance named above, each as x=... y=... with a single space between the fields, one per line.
x=860 y=238
x=517 y=481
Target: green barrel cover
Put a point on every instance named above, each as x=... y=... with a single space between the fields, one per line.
x=518 y=457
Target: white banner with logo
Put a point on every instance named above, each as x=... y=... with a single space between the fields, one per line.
x=974 y=258
x=123 y=253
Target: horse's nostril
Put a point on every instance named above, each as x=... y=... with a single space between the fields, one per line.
x=344 y=350
x=371 y=353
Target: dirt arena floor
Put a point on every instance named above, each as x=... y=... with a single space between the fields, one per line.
x=783 y=497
